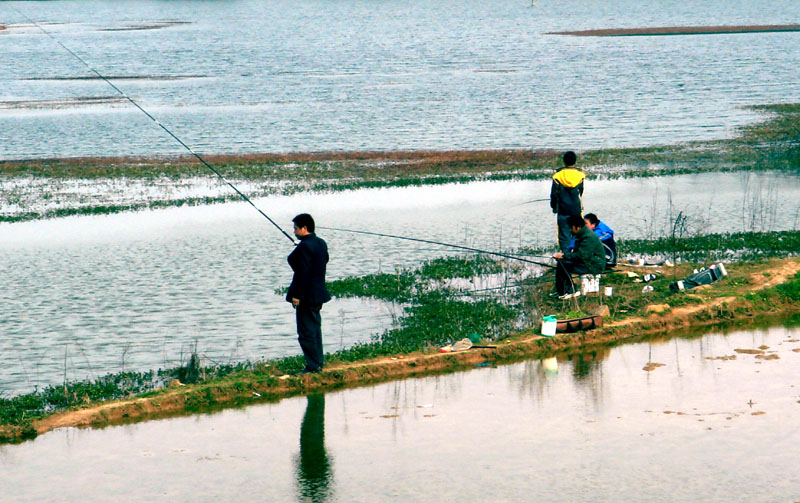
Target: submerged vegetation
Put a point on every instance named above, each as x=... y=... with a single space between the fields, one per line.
x=773 y=144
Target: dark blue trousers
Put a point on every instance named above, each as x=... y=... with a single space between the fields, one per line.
x=564 y=233
x=309 y=331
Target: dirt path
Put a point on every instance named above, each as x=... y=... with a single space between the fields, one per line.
x=527 y=344
x=758 y=281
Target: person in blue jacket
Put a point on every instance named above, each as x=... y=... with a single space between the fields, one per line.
x=606 y=236
x=308 y=292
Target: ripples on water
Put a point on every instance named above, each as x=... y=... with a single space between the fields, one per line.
x=579 y=427
x=340 y=75
x=144 y=287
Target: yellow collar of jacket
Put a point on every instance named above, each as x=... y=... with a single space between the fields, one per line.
x=569 y=177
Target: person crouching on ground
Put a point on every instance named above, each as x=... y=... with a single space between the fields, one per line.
x=606 y=236
x=588 y=257
x=307 y=292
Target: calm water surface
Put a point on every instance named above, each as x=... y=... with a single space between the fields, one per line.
x=277 y=75
x=136 y=291
x=586 y=427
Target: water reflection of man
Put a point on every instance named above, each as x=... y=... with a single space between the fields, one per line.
x=313 y=465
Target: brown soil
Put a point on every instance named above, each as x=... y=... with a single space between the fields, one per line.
x=240 y=390
x=488 y=157
x=679 y=30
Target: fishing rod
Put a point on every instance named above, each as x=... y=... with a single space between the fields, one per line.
x=476 y=250
x=532 y=201
x=159 y=124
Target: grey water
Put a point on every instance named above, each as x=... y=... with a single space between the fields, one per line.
x=277 y=75
x=85 y=296
x=574 y=427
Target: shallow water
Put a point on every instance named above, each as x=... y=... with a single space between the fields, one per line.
x=135 y=291
x=275 y=76
x=597 y=428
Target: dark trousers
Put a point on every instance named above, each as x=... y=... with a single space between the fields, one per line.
x=565 y=267
x=309 y=331
x=564 y=233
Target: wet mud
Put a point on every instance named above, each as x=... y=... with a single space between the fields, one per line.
x=680 y=30
x=62 y=103
x=149 y=26
x=120 y=77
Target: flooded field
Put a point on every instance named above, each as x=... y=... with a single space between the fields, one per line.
x=84 y=296
x=714 y=420
x=238 y=77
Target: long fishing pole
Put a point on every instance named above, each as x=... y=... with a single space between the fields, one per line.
x=476 y=250
x=159 y=124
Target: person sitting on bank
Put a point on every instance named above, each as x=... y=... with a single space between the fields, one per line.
x=606 y=236
x=588 y=257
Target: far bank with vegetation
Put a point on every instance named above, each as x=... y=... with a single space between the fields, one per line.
x=52 y=188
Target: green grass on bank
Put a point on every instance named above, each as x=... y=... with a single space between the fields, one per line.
x=732 y=246
x=433 y=316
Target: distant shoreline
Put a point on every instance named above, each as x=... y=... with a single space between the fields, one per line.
x=679 y=30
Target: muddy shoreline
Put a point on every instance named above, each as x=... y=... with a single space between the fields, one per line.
x=53 y=188
x=237 y=390
x=680 y=30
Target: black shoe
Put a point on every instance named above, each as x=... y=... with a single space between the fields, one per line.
x=308 y=371
x=554 y=295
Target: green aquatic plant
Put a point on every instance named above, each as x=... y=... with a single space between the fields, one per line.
x=739 y=245
x=390 y=287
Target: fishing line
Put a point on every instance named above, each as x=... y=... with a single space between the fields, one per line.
x=159 y=124
x=476 y=250
x=532 y=201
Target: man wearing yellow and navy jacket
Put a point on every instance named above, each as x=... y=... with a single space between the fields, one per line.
x=565 y=197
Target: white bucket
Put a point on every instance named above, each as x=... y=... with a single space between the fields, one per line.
x=590 y=283
x=609 y=291
x=722 y=269
x=549 y=328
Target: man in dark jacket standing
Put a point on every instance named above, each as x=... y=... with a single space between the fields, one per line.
x=565 y=197
x=307 y=292
x=588 y=257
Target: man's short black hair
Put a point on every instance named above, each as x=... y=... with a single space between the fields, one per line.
x=592 y=218
x=304 y=220
x=569 y=158
x=576 y=221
